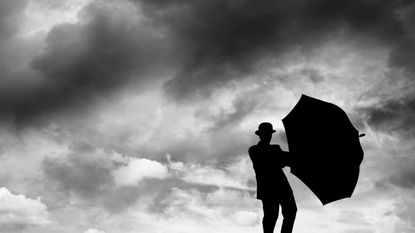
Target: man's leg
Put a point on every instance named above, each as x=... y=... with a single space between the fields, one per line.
x=271 y=208
x=289 y=211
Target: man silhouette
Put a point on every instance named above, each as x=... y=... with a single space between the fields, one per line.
x=273 y=188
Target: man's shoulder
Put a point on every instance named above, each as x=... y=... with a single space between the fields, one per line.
x=253 y=149
x=276 y=146
x=257 y=148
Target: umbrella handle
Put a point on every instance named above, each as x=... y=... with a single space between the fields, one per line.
x=362 y=135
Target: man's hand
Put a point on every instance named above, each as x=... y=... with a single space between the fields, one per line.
x=286 y=159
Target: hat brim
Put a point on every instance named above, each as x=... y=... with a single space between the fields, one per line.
x=262 y=132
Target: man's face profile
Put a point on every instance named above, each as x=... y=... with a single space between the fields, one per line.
x=265 y=137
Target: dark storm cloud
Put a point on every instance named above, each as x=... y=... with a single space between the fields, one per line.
x=226 y=39
x=214 y=41
x=395 y=116
x=84 y=62
x=403 y=54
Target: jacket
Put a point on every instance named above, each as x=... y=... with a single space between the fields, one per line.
x=268 y=161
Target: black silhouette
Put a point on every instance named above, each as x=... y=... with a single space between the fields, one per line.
x=273 y=188
x=325 y=148
x=325 y=153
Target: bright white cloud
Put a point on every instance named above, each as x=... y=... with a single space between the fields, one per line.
x=223 y=210
x=246 y=218
x=234 y=176
x=137 y=169
x=42 y=16
x=92 y=230
x=18 y=211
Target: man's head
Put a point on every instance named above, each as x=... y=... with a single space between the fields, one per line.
x=265 y=131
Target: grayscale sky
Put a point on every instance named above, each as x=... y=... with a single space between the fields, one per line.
x=136 y=115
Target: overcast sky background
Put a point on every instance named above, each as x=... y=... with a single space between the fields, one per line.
x=136 y=115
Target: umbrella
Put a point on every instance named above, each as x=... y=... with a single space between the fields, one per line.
x=324 y=147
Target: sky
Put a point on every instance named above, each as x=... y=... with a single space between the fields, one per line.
x=137 y=115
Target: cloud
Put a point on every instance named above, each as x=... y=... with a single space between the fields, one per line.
x=227 y=40
x=241 y=108
x=84 y=173
x=228 y=114
x=188 y=133
x=406 y=212
x=404 y=178
x=210 y=206
x=399 y=186
x=246 y=218
x=395 y=116
x=137 y=169
x=108 y=180
x=394 y=113
x=18 y=211
x=400 y=174
x=85 y=62
x=10 y=11
x=189 y=210
x=402 y=56
x=237 y=175
x=88 y=62
x=92 y=230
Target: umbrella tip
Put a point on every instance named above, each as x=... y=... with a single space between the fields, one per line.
x=362 y=135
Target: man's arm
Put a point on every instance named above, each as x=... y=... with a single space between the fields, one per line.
x=252 y=152
x=285 y=157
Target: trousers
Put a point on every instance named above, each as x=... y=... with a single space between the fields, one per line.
x=271 y=209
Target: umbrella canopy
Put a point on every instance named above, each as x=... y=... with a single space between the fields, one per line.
x=324 y=148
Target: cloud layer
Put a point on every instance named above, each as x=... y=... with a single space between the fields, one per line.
x=136 y=115
x=138 y=169
x=203 y=45
x=228 y=40
x=84 y=62
x=18 y=211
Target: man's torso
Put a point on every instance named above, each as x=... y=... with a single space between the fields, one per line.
x=268 y=161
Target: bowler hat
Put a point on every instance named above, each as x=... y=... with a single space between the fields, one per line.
x=265 y=127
